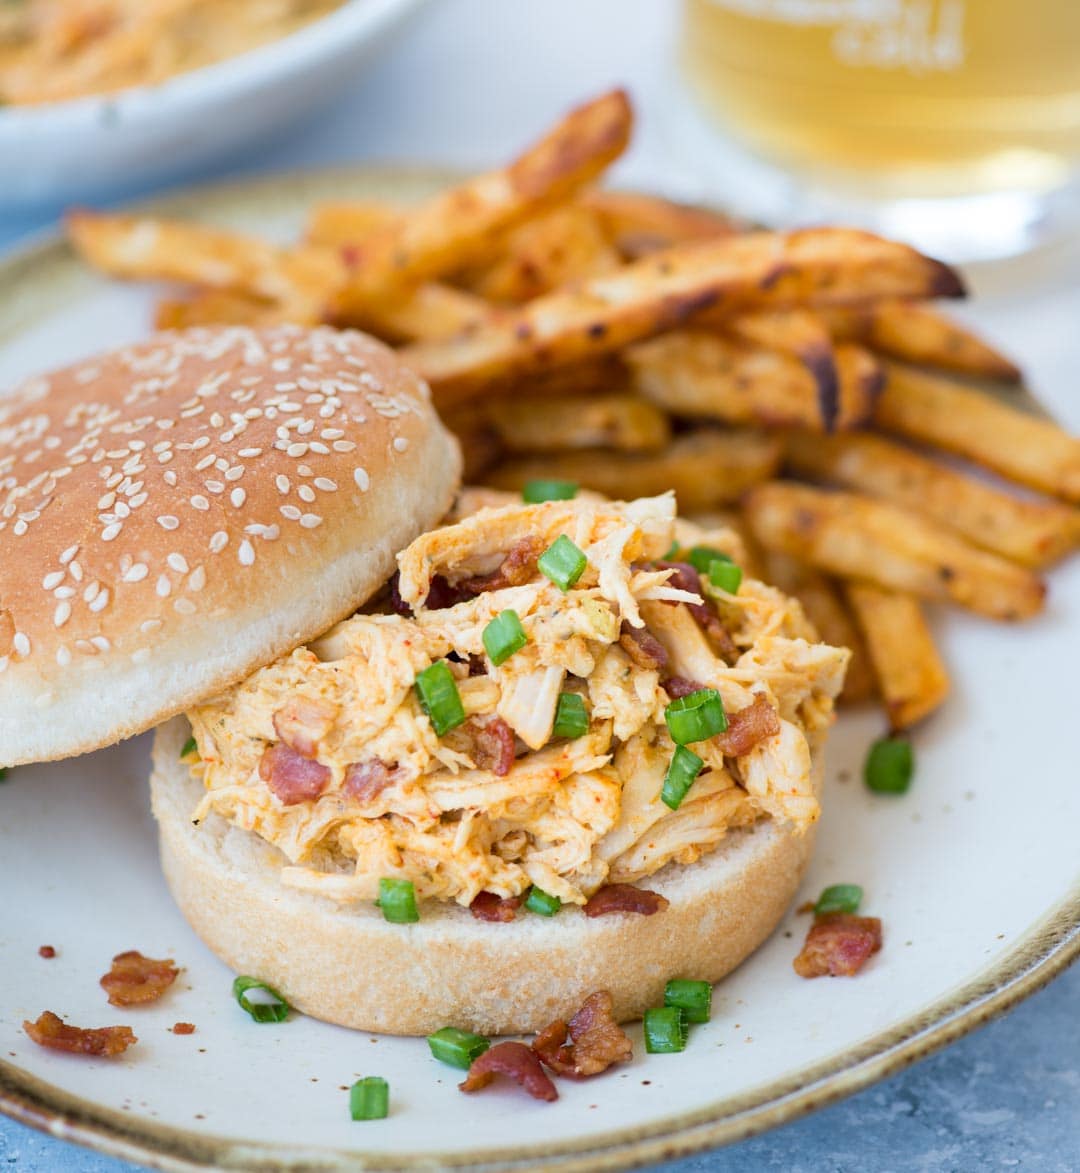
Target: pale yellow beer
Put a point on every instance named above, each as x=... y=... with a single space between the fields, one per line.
x=960 y=95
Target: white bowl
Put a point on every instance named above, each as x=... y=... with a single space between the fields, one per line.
x=94 y=147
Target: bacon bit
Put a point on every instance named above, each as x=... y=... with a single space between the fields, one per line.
x=442 y=595
x=516 y=568
x=46 y=951
x=495 y=909
x=493 y=744
x=624 y=898
x=679 y=686
x=365 y=781
x=302 y=722
x=516 y=1061
x=597 y=1041
x=49 y=1031
x=291 y=777
x=643 y=647
x=747 y=727
x=686 y=578
x=135 y=979
x=183 y=1028
x=838 y=945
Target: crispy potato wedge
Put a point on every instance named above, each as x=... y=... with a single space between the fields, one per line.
x=460 y=226
x=700 y=375
x=341 y=223
x=920 y=334
x=824 y=607
x=638 y=224
x=705 y=468
x=298 y=280
x=429 y=312
x=911 y=676
x=858 y=537
x=940 y=411
x=566 y=244
x=662 y=291
x=214 y=307
x=542 y=423
x=1033 y=533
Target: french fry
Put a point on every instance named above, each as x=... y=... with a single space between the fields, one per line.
x=428 y=312
x=214 y=307
x=1033 y=533
x=825 y=609
x=639 y=224
x=459 y=226
x=298 y=280
x=566 y=244
x=919 y=334
x=604 y=314
x=911 y=677
x=709 y=376
x=705 y=468
x=342 y=223
x=542 y=423
x=940 y=411
x=858 y=537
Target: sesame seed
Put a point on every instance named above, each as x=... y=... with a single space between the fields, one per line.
x=106 y=502
x=310 y=520
x=111 y=531
x=164 y=587
x=214 y=487
x=197 y=580
x=291 y=512
x=137 y=572
x=167 y=521
x=306 y=493
x=282 y=483
x=198 y=501
x=138 y=499
x=249 y=453
x=219 y=541
x=400 y=443
x=320 y=448
x=326 y=484
x=140 y=655
x=100 y=642
x=149 y=625
x=100 y=602
x=363 y=481
x=344 y=446
x=246 y=553
x=52 y=580
x=296 y=449
x=170 y=478
x=178 y=563
x=63 y=656
x=184 y=606
x=62 y=614
x=331 y=433
x=19 y=528
x=21 y=643
x=64 y=592
x=201 y=443
x=206 y=462
x=91 y=592
x=238 y=496
x=76 y=571
x=68 y=554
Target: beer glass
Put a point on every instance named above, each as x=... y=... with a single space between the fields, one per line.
x=954 y=123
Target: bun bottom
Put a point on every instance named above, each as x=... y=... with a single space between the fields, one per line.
x=347 y=965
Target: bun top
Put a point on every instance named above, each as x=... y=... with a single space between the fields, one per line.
x=177 y=513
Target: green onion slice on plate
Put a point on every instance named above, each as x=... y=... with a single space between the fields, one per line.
x=439 y=697
x=665 y=1030
x=397 y=899
x=457 y=1047
x=571 y=719
x=369 y=1098
x=838 y=898
x=696 y=717
x=271 y=1008
x=684 y=768
x=541 y=902
x=562 y=562
x=889 y=766
x=504 y=636
x=694 y=999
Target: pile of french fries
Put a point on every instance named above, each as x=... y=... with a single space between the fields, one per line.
x=799 y=383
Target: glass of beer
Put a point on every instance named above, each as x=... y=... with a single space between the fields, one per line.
x=953 y=123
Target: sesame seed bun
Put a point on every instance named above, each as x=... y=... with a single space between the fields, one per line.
x=175 y=514
x=346 y=964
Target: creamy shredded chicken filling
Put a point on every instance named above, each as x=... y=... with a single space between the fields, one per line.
x=567 y=815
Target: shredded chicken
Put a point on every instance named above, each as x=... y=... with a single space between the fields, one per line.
x=329 y=755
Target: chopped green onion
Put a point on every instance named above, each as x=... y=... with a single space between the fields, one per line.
x=535 y=492
x=190 y=746
x=439 y=697
x=571 y=718
x=672 y=553
x=889 y=766
x=541 y=902
x=504 y=636
x=725 y=575
x=457 y=1047
x=397 y=899
x=369 y=1098
x=562 y=562
x=273 y=1009
x=694 y=999
x=685 y=767
x=665 y=1030
x=696 y=716
x=701 y=557
x=838 y=898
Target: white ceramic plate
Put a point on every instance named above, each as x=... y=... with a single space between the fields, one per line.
x=973 y=874
x=92 y=147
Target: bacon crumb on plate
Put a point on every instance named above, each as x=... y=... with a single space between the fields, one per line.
x=183 y=1028
x=46 y=951
x=50 y=1031
x=838 y=945
x=135 y=979
x=589 y=1044
x=750 y=725
x=624 y=898
x=516 y=1061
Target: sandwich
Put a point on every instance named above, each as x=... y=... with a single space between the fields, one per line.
x=430 y=769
